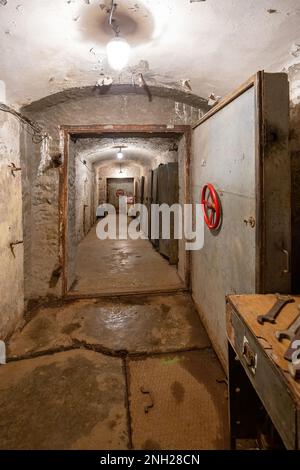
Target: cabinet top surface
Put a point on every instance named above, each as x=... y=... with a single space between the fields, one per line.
x=248 y=307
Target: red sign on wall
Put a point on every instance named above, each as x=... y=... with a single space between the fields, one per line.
x=120 y=192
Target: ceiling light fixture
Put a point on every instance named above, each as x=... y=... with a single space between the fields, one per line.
x=120 y=155
x=118 y=49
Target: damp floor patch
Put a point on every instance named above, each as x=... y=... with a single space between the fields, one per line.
x=178 y=402
x=140 y=325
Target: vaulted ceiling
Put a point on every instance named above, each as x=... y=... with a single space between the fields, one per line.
x=140 y=150
x=50 y=45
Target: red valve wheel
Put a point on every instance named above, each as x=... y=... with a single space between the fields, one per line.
x=211 y=206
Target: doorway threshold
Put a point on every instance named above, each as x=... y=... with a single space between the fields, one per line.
x=124 y=293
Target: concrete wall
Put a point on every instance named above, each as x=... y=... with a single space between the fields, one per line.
x=71 y=240
x=81 y=178
x=84 y=198
x=40 y=183
x=11 y=272
x=42 y=267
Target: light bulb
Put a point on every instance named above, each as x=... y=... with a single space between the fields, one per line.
x=120 y=155
x=118 y=51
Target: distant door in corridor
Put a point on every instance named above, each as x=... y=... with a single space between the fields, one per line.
x=117 y=187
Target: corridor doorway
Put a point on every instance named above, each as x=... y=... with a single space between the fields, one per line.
x=93 y=267
x=117 y=187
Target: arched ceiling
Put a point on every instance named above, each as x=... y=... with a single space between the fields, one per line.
x=117 y=164
x=139 y=150
x=48 y=46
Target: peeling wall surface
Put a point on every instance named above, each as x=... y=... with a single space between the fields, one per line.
x=209 y=46
x=11 y=273
x=41 y=187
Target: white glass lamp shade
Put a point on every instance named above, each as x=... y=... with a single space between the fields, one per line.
x=118 y=52
x=120 y=155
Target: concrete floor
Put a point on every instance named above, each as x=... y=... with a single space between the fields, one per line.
x=118 y=266
x=81 y=375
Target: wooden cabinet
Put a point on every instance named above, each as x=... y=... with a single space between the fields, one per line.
x=258 y=373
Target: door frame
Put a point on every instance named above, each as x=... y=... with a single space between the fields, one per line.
x=66 y=132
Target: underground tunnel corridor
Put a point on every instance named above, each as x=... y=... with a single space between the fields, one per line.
x=116 y=335
x=125 y=350
x=135 y=357
x=135 y=167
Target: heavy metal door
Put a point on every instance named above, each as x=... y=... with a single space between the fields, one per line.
x=168 y=194
x=241 y=148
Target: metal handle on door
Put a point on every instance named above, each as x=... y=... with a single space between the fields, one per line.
x=287 y=255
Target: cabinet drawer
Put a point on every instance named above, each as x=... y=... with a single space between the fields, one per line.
x=266 y=379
